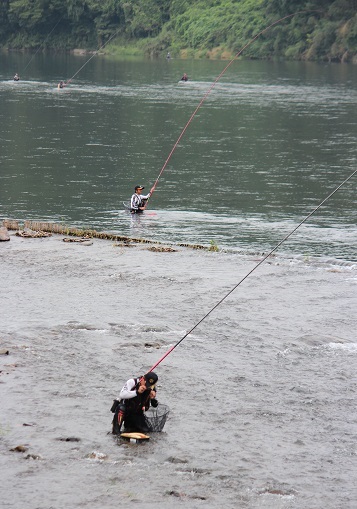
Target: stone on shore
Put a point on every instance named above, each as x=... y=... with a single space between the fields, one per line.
x=4 y=234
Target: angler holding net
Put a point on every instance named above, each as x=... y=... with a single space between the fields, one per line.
x=136 y=398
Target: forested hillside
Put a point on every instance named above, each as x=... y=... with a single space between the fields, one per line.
x=322 y=30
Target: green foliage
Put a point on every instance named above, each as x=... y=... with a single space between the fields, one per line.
x=309 y=29
x=27 y=14
x=212 y=24
x=213 y=246
x=145 y=18
x=4 y=20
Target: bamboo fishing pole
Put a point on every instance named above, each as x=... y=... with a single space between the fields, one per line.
x=210 y=90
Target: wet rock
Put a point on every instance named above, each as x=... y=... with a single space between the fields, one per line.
x=68 y=439
x=85 y=241
x=159 y=249
x=83 y=326
x=19 y=448
x=4 y=234
x=178 y=494
x=174 y=493
x=33 y=457
x=3 y=351
x=196 y=471
x=173 y=459
x=282 y=492
x=316 y=340
x=124 y=244
x=299 y=442
x=27 y=232
x=95 y=455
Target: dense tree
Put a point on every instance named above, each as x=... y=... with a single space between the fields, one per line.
x=4 y=20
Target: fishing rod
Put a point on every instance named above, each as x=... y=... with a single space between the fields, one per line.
x=210 y=90
x=252 y=270
x=89 y=59
x=42 y=44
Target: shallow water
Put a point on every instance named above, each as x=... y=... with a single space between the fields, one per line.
x=261 y=393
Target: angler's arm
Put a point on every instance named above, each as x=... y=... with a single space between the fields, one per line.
x=128 y=391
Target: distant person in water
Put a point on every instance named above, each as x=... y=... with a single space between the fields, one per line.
x=60 y=84
x=16 y=77
x=184 y=77
x=138 y=200
x=168 y=56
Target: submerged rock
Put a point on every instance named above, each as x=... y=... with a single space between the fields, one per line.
x=33 y=457
x=173 y=459
x=19 y=448
x=69 y=439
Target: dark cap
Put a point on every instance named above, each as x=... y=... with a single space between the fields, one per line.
x=139 y=187
x=150 y=379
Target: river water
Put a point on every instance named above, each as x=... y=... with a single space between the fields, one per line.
x=271 y=141
x=262 y=393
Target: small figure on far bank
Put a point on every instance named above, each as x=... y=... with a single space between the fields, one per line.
x=135 y=398
x=138 y=200
x=184 y=77
x=168 y=56
x=16 y=77
x=60 y=84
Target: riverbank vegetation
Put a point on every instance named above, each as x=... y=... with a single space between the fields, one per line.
x=321 y=29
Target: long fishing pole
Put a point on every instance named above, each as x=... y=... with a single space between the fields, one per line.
x=210 y=90
x=252 y=270
x=89 y=59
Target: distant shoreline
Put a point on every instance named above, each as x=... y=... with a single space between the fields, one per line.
x=217 y=53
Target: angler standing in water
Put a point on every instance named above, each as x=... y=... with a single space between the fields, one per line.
x=60 y=84
x=16 y=77
x=184 y=77
x=138 y=200
x=134 y=399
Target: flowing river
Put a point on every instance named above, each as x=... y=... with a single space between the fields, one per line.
x=270 y=142
x=262 y=393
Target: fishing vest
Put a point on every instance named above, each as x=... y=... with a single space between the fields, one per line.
x=140 y=401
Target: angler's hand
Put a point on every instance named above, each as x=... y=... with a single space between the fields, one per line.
x=141 y=389
x=152 y=394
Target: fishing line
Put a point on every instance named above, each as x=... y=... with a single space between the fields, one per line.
x=210 y=90
x=252 y=270
x=42 y=44
x=94 y=54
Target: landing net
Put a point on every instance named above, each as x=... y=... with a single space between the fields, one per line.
x=156 y=417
